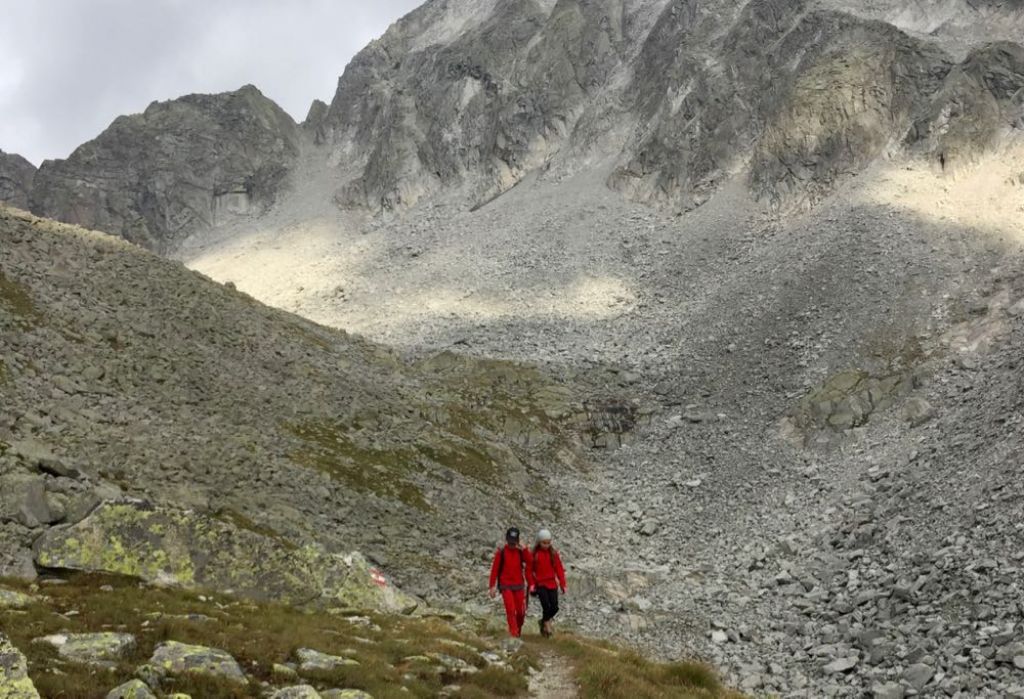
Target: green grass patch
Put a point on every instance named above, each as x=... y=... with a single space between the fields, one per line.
x=14 y=299
x=329 y=448
x=236 y=518
x=606 y=672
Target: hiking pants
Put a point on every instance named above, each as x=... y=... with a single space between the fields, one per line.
x=548 y=602
x=515 y=610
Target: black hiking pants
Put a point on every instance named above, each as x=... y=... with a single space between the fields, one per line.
x=548 y=602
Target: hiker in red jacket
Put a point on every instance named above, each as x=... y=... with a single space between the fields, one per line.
x=548 y=577
x=512 y=573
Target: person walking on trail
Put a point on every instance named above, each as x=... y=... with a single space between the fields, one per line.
x=512 y=575
x=548 y=579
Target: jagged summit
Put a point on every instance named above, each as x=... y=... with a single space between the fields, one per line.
x=669 y=100
x=181 y=166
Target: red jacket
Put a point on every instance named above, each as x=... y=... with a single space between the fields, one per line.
x=547 y=569
x=517 y=570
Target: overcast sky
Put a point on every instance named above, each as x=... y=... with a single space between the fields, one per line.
x=69 y=67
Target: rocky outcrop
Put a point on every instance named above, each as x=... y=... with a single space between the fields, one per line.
x=981 y=101
x=180 y=167
x=183 y=548
x=16 y=177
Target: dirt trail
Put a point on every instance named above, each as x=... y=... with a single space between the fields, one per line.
x=555 y=680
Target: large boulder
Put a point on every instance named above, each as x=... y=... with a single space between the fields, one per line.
x=176 y=658
x=310 y=660
x=180 y=167
x=180 y=547
x=302 y=691
x=23 y=499
x=133 y=689
x=93 y=648
x=14 y=680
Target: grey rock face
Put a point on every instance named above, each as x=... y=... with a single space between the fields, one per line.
x=796 y=94
x=179 y=167
x=16 y=176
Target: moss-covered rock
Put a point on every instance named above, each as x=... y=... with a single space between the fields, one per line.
x=313 y=660
x=14 y=680
x=345 y=694
x=186 y=549
x=302 y=691
x=92 y=648
x=181 y=658
x=11 y=599
x=134 y=689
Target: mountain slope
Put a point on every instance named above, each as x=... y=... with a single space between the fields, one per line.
x=136 y=377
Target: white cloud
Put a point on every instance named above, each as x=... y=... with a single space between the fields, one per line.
x=69 y=67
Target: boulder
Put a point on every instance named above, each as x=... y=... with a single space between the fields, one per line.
x=917 y=411
x=180 y=658
x=93 y=648
x=889 y=690
x=180 y=547
x=311 y=660
x=133 y=689
x=38 y=455
x=918 y=675
x=23 y=500
x=14 y=679
x=302 y=691
x=10 y=599
x=345 y=694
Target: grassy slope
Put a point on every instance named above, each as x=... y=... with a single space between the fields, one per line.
x=390 y=649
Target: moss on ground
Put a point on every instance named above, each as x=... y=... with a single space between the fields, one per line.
x=384 y=472
x=257 y=635
x=15 y=299
x=475 y=418
x=236 y=518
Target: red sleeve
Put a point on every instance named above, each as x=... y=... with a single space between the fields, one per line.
x=559 y=571
x=494 y=569
x=528 y=557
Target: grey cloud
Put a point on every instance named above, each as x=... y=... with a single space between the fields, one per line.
x=69 y=67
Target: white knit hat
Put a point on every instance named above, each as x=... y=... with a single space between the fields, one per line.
x=543 y=535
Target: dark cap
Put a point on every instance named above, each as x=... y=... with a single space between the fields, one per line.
x=512 y=534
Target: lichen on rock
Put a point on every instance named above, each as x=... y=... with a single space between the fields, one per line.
x=14 y=679
x=180 y=658
x=183 y=548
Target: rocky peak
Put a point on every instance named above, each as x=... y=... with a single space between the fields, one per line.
x=180 y=167
x=791 y=96
x=16 y=175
